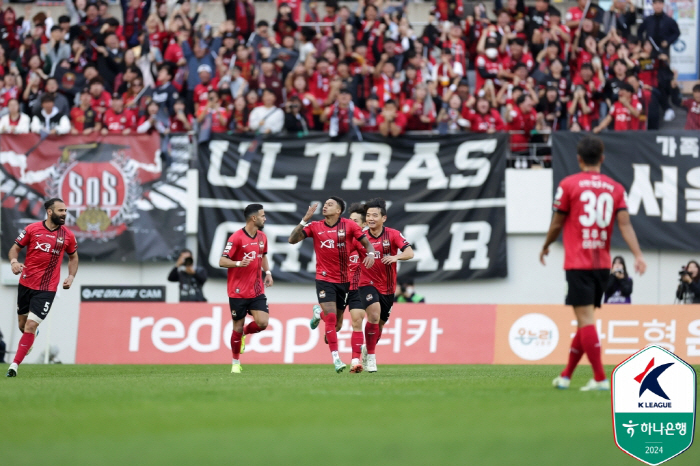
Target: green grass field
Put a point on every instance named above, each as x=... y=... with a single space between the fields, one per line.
x=304 y=415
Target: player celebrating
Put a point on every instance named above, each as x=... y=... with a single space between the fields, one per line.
x=357 y=311
x=378 y=283
x=46 y=242
x=585 y=206
x=331 y=243
x=244 y=257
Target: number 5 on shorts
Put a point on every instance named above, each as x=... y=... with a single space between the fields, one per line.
x=47 y=306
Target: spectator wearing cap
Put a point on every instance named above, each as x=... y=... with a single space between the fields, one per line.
x=14 y=122
x=197 y=56
x=341 y=117
x=206 y=84
x=215 y=112
x=83 y=118
x=50 y=119
x=117 y=120
x=391 y=122
x=60 y=101
x=55 y=50
x=267 y=119
x=660 y=28
x=625 y=112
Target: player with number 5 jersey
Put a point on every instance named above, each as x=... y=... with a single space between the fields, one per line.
x=585 y=207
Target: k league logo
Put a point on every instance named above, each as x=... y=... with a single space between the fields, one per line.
x=653 y=401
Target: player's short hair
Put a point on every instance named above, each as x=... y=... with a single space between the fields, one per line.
x=340 y=202
x=357 y=208
x=376 y=203
x=252 y=209
x=521 y=99
x=590 y=149
x=696 y=88
x=49 y=204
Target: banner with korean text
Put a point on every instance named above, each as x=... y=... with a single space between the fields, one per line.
x=446 y=195
x=660 y=171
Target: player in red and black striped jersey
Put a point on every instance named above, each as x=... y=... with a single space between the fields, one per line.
x=357 y=311
x=332 y=238
x=245 y=257
x=378 y=282
x=45 y=242
x=585 y=207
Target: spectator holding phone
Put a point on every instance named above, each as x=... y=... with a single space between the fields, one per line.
x=619 y=289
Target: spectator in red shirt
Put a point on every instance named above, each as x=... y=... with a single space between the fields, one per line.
x=100 y=98
x=84 y=119
x=485 y=119
x=625 y=111
x=451 y=117
x=320 y=82
x=371 y=114
x=202 y=89
x=214 y=110
x=521 y=119
x=391 y=122
x=342 y=116
x=692 y=121
x=580 y=111
x=116 y=120
x=180 y=122
x=420 y=110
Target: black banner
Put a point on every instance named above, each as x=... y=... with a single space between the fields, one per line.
x=660 y=171
x=123 y=203
x=122 y=293
x=446 y=195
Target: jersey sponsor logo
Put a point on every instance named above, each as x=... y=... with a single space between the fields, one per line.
x=250 y=255
x=354 y=258
x=386 y=243
x=261 y=244
x=21 y=235
x=369 y=297
x=321 y=294
x=228 y=247
x=329 y=243
x=245 y=245
x=46 y=247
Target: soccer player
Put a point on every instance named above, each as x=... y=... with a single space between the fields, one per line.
x=357 y=311
x=45 y=242
x=332 y=237
x=585 y=207
x=378 y=282
x=245 y=257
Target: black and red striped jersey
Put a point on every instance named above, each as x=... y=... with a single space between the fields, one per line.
x=45 y=248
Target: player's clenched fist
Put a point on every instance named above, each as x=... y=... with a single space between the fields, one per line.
x=17 y=268
x=245 y=263
x=67 y=282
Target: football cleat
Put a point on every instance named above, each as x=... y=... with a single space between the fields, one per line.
x=371 y=363
x=592 y=385
x=561 y=383
x=364 y=357
x=339 y=365
x=243 y=344
x=355 y=366
x=316 y=318
x=236 y=369
x=12 y=371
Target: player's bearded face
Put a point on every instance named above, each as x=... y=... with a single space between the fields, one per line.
x=260 y=221
x=58 y=217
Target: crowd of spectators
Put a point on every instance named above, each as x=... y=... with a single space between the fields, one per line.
x=160 y=68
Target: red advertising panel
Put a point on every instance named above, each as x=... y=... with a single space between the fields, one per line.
x=200 y=333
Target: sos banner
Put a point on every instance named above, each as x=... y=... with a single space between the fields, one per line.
x=661 y=173
x=445 y=195
x=122 y=203
x=200 y=333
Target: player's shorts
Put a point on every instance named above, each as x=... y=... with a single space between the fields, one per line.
x=586 y=287
x=354 y=300
x=240 y=307
x=328 y=292
x=369 y=295
x=36 y=303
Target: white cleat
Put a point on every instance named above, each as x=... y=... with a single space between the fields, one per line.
x=371 y=363
x=364 y=357
x=12 y=370
x=561 y=383
x=316 y=319
x=592 y=385
x=355 y=366
x=669 y=115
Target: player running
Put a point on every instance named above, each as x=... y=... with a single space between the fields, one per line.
x=332 y=238
x=357 y=311
x=244 y=257
x=378 y=283
x=585 y=206
x=45 y=242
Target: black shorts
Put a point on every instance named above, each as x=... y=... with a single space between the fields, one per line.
x=337 y=293
x=369 y=295
x=240 y=307
x=34 y=301
x=586 y=287
x=354 y=300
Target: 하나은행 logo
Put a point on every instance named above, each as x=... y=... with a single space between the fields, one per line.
x=653 y=405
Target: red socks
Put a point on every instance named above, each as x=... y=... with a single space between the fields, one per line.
x=371 y=336
x=575 y=355
x=331 y=335
x=236 y=344
x=379 y=335
x=25 y=343
x=356 y=341
x=591 y=345
x=251 y=328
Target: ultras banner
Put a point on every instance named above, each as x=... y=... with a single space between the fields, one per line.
x=123 y=205
x=446 y=195
x=660 y=171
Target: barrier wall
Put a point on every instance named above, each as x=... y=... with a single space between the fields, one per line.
x=199 y=333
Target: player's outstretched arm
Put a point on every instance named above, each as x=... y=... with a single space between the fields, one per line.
x=16 y=265
x=630 y=237
x=72 y=270
x=553 y=233
x=298 y=232
x=406 y=254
